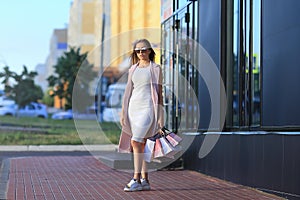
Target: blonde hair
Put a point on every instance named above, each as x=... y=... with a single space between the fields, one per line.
x=134 y=57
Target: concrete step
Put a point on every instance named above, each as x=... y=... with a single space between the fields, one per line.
x=124 y=161
x=116 y=160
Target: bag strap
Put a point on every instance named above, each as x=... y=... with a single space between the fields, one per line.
x=165 y=131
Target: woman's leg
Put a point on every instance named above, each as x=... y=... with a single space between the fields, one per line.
x=145 y=171
x=144 y=168
x=145 y=178
x=138 y=158
x=140 y=168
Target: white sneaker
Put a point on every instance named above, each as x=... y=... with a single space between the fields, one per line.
x=145 y=184
x=132 y=186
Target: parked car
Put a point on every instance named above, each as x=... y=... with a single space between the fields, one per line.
x=8 y=110
x=112 y=114
x=33 y=110
x=63 y=115
x=113 y=98
x=6 y=101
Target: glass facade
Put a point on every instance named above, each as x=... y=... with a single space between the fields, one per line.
x=180 y=78
x=244 y=85
x=254 y=45
x=239 y=36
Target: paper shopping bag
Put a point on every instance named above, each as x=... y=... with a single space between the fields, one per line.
x=174 y=151
x=167 y=148
x=148 y=151
x=172 y=141
x=175 y=137
x=158 y=150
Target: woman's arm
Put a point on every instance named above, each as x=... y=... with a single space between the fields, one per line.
x=125 y=100
x=160 y=101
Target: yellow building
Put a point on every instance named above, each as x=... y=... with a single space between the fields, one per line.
x=81 y=32
x=125 y=21
x=131 y=20
x=81 y=29
x=122 y=19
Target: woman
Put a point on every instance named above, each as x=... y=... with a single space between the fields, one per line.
x=142 y=113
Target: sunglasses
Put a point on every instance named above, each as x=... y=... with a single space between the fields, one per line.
x=141 y=50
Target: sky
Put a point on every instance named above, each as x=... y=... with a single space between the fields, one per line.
x=26 y=27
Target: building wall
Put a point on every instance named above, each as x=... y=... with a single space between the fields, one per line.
x=40 y=79
x=126 y=17
x=58 y=45
x=280 y=41
x=265 y=160
x=209 y=20
x=81 y=26
x=268 y=162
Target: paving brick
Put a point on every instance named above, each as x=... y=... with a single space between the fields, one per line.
x=84 y=177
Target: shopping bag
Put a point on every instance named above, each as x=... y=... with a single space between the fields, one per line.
x=158 y=150
x=172 y=141
x=174 y=151
x=166 y=146
x=148 y=151
x=175 y=137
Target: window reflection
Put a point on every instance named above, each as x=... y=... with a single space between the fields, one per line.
x=235 y=99
x=246 y=89
x=256 y=85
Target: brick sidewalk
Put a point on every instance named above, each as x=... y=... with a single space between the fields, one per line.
x=84 y=177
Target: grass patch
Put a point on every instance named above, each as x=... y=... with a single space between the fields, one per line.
x=58 y=132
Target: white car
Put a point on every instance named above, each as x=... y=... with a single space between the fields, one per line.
x=8 y=110
x=114 y=98
x=30 y=110
x=33 y=110
x=112 y=114
x=63 y=115
x=6 y=101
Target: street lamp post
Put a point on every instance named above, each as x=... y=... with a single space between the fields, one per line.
x=100 y=89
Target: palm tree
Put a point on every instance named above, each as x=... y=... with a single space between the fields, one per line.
x=24 y=90
x=67 y=78
x=7 y=74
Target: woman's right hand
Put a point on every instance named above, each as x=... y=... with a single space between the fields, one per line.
x=160 y=131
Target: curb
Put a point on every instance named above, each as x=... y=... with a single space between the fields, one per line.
x=37 y=148
x=4 y=175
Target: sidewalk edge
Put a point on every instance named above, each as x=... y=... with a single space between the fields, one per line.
x=4 y=177
x=33 y=148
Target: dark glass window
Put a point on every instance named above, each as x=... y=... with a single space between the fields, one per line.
x=244 y=78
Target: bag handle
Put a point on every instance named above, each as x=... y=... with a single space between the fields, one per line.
x=165 y=131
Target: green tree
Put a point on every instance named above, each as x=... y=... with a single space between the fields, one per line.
x=48 y=98
x=67 y=78
x=23 y=91
x=6 y=74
